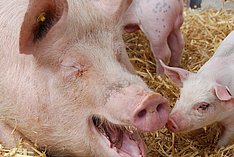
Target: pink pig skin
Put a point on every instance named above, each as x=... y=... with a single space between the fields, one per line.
x=206 y=97
x=160 y=21
x=66 y=81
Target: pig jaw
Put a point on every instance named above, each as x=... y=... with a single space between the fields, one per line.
x=117 y=140
x=126 y=112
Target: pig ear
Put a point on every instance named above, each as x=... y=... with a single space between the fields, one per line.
x=177 y=75
x=39 y=19
x=222 y=92
x=224 y=95
x=113 y=8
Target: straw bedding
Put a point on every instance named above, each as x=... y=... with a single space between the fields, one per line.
x=203 y=31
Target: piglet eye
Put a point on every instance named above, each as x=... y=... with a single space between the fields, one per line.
x=204 y=106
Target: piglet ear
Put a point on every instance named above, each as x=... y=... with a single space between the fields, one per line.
x=222 y=92
x=113 y=8
x=40 y=18
x=177 y=75
x=224 y=95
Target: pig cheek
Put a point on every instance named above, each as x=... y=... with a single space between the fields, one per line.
x=202 y=118
x=192 y=119
x=71 y=99
x=186 y=124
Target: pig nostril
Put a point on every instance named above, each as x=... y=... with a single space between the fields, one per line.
x=171 y=126
x=142 y=113
x=160 y=108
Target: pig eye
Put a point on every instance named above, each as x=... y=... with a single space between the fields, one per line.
x=203 y=106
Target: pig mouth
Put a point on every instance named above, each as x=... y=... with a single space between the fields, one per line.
x=123 y=140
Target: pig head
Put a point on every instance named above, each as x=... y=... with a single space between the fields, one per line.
x=66 y=81
x=160 y=21
x=206 y=96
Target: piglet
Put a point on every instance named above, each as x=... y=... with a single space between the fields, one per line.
x=160 y=21
x=206 y=96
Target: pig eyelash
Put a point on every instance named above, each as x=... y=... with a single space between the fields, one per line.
x=203 y=107
x=78 y=71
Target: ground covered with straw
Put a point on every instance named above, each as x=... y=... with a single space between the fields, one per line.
x=203 y=31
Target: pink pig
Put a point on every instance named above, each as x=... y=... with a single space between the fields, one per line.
x=160 y=21
x=206 y=96
x=66 y=81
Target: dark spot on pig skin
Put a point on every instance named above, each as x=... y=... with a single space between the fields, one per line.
x=164 y=5
x=155 y=11
x=163 y=20
x=157 y=5
x=161 y=7
x=164 y=26
x=157 y=31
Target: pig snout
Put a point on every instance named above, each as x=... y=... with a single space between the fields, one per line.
x=152 y=113
x=172 y=126
x=140 y=107
x=176 y=123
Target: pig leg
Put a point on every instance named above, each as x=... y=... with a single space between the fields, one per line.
x=227 y=136
x=158 y=42
x=161 y=52
x=156 y=24
x=176 y=44
x=157 y=37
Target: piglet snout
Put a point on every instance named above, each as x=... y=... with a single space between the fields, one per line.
x=176 y=123
x=171 y=125
x=152 y=113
